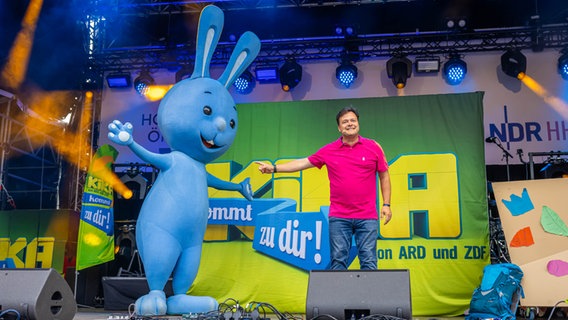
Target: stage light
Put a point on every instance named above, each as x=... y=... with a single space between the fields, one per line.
x=427 y=64
x=455 y=70
x=143 y=82
x=266 y=74
x=563 y=66
x=346 y=73
x=399 y=68
x=514 y=63
x=183 y=73
x=290 y=74
x=456 y=24
x=118 y=80
x=346 y=31
x=244 y=83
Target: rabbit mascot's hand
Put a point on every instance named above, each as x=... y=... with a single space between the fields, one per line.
x=198 y=120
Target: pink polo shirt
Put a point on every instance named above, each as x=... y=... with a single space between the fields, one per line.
x=352 y=173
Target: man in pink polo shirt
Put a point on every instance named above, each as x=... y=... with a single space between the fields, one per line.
x=352 y=164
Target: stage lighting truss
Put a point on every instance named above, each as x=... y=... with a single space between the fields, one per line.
x=244 y=83
x=455 y=70
x=143 y=82
x=346 y=73
x=563 y=65
x=290 y=74
x=514 y=63
x=399 y=68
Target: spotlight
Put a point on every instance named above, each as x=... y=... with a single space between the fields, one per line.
x=399 y=68
x=143 y=82
x=456 y=24
x=244 y=83
x=118 y=80
x=266 y=74
x=514 y=63
x=346 y=73
x=346 y=31
x=290 y=74
x=427 y=64
x=563 y=66
x=455 y=70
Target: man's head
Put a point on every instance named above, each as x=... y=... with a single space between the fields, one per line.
x=348 y=122
x=344 y=111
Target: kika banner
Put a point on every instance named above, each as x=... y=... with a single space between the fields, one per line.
x=262 y=250
x=96 y=227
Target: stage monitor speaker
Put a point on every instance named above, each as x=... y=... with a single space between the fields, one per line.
x=354 y=294
x=37 y=294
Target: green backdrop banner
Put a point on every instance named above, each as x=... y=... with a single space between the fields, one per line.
x=435 y=148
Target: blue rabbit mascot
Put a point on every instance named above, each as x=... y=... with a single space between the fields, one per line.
x=198 y=120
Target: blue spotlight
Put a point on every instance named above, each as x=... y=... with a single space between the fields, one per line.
x=245 y=83
x=455 y=70
x=563 y=66
x=143 y=82
x=346 y=73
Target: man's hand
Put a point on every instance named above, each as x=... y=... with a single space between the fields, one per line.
x=265 y=167
x=386 y=214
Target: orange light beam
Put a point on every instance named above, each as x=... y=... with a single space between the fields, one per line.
x=16 y=66
x=73 y=146
x=555 y=102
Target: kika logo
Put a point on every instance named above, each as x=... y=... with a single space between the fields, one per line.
x=528 y=131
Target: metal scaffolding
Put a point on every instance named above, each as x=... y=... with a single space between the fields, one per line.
x=331 y=48
x=29 y=165
x=110 y=55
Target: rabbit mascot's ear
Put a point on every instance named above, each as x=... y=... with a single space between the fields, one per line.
x=210 y=27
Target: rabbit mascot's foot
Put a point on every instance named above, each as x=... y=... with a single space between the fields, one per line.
x=184 y=304
x=152 y=304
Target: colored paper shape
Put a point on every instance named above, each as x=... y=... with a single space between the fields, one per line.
x=523 y=238
x=552 y=223
x=519 y=205
x=557 y=268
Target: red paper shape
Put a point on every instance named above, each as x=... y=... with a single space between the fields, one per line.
x=523 y=238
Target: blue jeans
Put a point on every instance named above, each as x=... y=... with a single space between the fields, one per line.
x=341 y=232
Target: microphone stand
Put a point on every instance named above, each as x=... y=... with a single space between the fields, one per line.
x=506 y=155
x=520 y=153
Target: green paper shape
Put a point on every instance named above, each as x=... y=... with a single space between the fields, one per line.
x=552 y=223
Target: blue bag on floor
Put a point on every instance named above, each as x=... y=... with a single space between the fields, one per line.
x=499 y=293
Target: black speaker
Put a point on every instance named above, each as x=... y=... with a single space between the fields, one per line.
x=37 y=294
x=354 y=294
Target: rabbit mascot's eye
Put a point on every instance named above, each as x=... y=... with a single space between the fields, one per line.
x=198 y=120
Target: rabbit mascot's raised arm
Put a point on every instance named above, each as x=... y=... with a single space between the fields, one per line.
x=198 y=120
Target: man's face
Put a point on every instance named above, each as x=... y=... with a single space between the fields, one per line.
x=348 y=125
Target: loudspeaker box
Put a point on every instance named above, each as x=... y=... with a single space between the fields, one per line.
x=37 y=294
x=356 y=294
